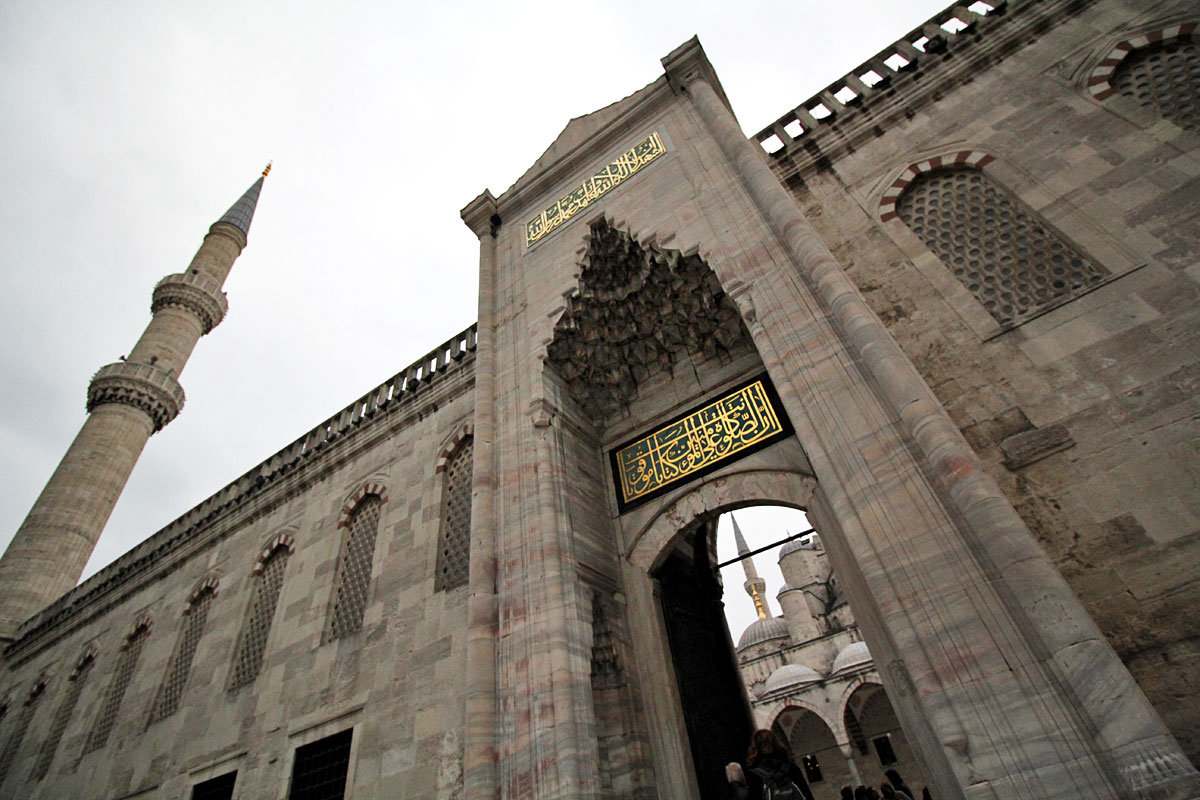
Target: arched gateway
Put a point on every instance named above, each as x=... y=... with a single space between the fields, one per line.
x=492 y=575
x=656 y=319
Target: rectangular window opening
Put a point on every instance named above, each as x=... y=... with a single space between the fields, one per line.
x=920 y=43
x=896 y=61
x=218 y=788
x=845 y=95
x=981 y=8
x=954 y=25
x=812 y=769
x=870 y=77
x=794 y=129
x=820 y=111
x=320 y=769
x=883 y=749
x=772 y=144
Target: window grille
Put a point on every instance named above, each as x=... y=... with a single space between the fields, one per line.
x=319 y=772
x=262 y=610
x=218 y=788
x=171 y=691
x=18 y=734
x=1013 y=264
x=61 y=717
x=1164 y=79
x=354 y=571
x=126 y=664
x=454 y=543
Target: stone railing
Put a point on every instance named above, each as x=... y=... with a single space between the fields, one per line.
x=197 y=293
x=404 y=386
x=953 y=47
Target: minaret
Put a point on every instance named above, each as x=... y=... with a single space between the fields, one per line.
x=127 y=402
x=755 y=586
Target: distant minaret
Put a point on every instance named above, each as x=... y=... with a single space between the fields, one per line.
x=755 y=586
x=127 y=402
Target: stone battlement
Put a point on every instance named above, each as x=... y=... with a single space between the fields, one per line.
x=951 y=49
x=145 y=559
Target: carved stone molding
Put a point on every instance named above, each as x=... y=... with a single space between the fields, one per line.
x=197 y=293
x=142 y=386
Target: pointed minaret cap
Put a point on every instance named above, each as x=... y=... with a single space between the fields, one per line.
x=755 y=586
x=241 y=213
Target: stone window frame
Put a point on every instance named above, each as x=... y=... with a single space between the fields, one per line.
x=209 y=583
x=64 y=711
x=450 y=447
x=1099 y=85
x=1102 y=247
x=350 y=506
x=108 y=715
x=286 y=540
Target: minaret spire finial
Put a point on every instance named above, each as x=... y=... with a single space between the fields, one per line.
x=267 y=169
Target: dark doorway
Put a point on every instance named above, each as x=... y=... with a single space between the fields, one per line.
x=715 y=710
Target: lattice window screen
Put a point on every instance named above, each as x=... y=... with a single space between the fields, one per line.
x=1013 y=264
x=354 y=571
x=1164 y=79
x=454 y=542
x=171 y=690
x=18 y=734
x=126 y=664
x=61 y=717
x=218 y=788
x=319 y=772
x=248 y=659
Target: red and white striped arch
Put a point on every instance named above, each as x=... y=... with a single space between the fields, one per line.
x=1099 y=84
x=352 y=502
x=963 y=158
x=209 y=582
x=284 y=539
x=460 y=436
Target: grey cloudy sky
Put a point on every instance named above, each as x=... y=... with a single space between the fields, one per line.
x=128 y=127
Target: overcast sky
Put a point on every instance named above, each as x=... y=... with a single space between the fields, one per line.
x=129 y=127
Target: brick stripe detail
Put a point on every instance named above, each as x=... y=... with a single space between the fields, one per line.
x=970 y=158
x=144 y=620
x=364 y=490
x=89 y=653
x=209 y=582
x=280 y=540
x=1098 y=82
x=444 y=457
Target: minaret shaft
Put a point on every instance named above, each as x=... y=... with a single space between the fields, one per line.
x=127 y=402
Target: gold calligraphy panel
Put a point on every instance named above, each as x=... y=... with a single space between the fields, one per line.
x=742 y=421
x=627 y=164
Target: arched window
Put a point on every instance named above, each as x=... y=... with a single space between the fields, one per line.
x=353 y=582
x=1013 y=264
x=122 y=676
x=62 y=716
x=454 y=539
x=1164 y=79
x=13 y=744
x=169 y=694
x=252 y=644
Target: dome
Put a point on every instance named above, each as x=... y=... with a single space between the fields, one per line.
x=763 y=630
x=853 y=655
x=803 y=543
x=790 y=675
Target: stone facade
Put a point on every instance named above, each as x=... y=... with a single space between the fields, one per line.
x=568 y=664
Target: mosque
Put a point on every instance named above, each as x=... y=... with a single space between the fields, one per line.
x=947 y=307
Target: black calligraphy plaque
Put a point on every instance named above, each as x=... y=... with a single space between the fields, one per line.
x=733 y=426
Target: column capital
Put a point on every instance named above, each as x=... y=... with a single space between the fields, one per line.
x=689 y=63
x=143 y=386
x=481 y=216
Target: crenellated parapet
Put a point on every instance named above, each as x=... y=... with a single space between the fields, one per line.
x=951 y=48
x=143 y=386
x=193 y=292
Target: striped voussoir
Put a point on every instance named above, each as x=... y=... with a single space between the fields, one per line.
x=209 y=582
x=280 y=540
x=1099 y=84
x=89 y=654
x=364 y=490
x=144 y=621
x=459 y=437
x=969 y=158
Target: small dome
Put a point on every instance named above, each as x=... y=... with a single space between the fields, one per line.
x=812 y=542
x=853 y=655
x=790 y=675
x=763 y=630
x=787 y=587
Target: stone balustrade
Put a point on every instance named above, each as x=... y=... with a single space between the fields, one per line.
x=143 y=386
x=195 y=292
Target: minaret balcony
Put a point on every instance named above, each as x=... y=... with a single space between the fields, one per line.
x=195 y=292
x=143 y=386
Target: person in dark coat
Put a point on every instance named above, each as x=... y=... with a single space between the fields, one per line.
x=765 y=754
